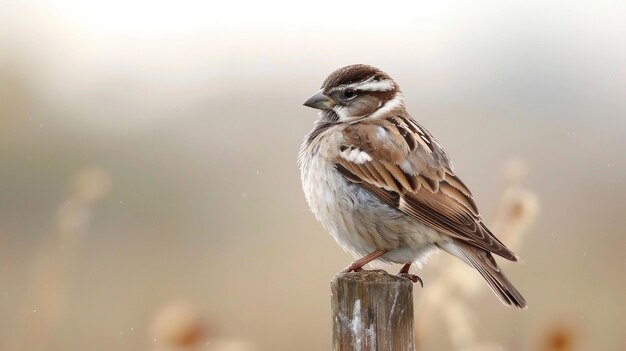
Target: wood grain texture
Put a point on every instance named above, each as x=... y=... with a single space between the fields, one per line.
x=372 y=310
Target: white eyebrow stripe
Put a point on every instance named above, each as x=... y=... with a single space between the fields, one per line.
x=373 y=85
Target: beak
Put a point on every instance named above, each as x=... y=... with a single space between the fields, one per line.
x=320 y=101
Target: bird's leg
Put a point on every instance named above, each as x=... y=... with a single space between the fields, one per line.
x=358 y=264
x=404 y=273
x=405 y=268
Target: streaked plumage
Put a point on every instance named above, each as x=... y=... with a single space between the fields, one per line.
x=377 y=180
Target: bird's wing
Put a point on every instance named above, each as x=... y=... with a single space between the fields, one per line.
x=400 y=162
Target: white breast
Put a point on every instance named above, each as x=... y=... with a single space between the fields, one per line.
x=355 y=218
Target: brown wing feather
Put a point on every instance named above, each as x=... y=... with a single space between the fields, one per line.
x=409 y=170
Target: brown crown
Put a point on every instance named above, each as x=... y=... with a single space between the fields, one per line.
x=352 y=74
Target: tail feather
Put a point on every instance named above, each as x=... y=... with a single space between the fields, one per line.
x=486 y=265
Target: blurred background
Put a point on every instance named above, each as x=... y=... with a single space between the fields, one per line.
x=150 y=197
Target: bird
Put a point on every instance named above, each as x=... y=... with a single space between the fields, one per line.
x=385 y=189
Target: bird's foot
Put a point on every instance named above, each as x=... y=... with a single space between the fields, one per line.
x=357 y=265
x=412 y=277
x=352 y=269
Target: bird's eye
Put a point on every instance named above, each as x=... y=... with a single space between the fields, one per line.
x=349 y=94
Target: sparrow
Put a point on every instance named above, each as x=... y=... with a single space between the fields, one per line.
x=385 y=189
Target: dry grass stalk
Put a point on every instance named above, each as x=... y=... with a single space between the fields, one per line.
x=449 y=294
x=181 y=326
x=43 y=304
x=561 y=337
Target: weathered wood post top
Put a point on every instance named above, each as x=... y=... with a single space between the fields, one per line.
x=372 y=310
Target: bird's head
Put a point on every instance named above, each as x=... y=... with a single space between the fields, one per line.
x=355 y=92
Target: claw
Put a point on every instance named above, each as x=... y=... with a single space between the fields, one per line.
x=412 y=277
x=352 y=269
x=357 y=265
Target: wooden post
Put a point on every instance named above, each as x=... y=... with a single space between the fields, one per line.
x=372 y=311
